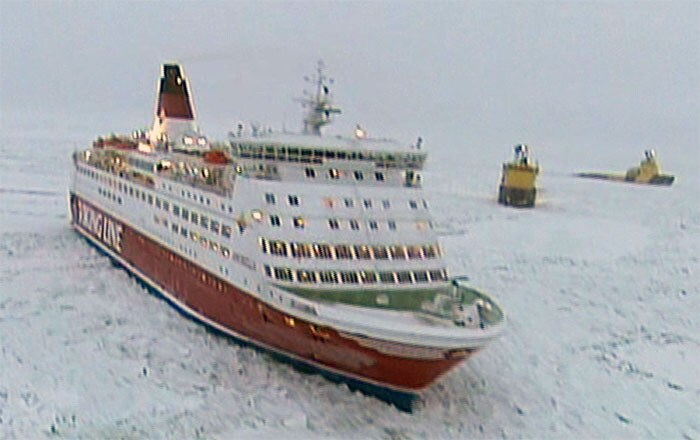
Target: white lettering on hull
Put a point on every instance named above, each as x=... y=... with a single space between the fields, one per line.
x=103 y=227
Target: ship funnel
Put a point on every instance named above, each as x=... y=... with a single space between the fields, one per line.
x=174 y=125
x=173 y=94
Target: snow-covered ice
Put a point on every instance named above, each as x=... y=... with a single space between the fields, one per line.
x=600 y=282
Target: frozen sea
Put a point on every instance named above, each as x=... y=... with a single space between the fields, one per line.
x=600 y=282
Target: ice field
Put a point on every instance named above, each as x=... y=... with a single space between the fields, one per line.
x=600 y=282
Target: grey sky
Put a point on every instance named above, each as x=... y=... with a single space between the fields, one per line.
x=482 y=74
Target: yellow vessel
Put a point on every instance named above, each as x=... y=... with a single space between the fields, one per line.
x=518 y=180
x=648 y=173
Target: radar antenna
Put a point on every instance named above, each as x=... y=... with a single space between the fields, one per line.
x=319 y=105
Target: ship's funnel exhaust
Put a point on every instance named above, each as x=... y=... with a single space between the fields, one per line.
x=174 y=125
x=174 y=95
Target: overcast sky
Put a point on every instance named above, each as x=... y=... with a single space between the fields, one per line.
x=485 y=74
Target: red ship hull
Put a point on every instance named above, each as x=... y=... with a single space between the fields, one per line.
x=214 y=301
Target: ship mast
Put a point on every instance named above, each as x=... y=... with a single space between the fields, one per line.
x=319 y=105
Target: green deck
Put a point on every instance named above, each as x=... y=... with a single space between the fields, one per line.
x=398 y=299
x=405 y=299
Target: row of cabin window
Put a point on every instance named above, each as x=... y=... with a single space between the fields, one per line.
x=161 y=204
x=349 y=252
x=122 y=187
x=95 y=175
x=193 y=235
x=109 y=194
x=107 y=180
x=356 y=277
x=348 y=202
x=202 y=199
x=193 y=196
x=336 y=174
x=333 y=223
x=129 y=190
x=202 y=221
x=210 y=244
x=304 y=155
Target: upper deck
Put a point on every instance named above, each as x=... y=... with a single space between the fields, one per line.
x=301 y=148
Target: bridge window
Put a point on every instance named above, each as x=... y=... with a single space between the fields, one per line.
x=397 y=253
x=278 y=247
x=380 y=252
x=214 y=226
x=306 y=276
x=264 y=245
x=226 y=231
x=343 y=252
x=362 y=252
x=322 y=250
x=349 y=277
x=283 y=274
x=430 y=251
x=404 y=277
x=300 y=250
x=368 y=277
x=420 y=276
x=386 y=277
x=328 y=276
x=413 y=252
x=438 y=275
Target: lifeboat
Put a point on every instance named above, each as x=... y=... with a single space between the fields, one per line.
x=647 y=173
x=517 y=186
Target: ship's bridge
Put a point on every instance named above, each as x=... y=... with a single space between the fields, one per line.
x=310 y=149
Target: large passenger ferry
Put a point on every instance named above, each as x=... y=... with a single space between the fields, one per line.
x=318 y=249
